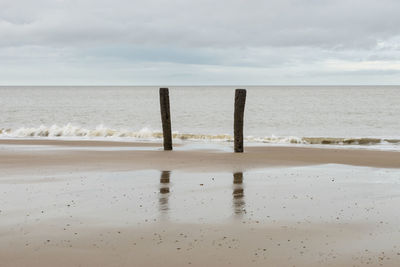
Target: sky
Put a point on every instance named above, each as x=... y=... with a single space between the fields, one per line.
x=204 y=42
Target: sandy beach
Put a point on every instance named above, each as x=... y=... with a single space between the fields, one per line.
x=48 y=155
x=199 y=133
x=98 y=203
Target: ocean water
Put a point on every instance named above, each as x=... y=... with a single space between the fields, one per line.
x=340 y=115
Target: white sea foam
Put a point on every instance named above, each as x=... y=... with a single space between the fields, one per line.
x=101 y=131
x=70 y=130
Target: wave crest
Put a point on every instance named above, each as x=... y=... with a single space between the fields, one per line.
x=71 y=130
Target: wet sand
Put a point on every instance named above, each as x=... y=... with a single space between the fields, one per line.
x=271 y=206
x=102 y=155
x=198 y=245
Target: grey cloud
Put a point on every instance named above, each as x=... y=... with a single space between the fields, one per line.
x=328 y=24
x=205 y=41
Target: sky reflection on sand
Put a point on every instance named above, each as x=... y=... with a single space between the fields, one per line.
x=238 y=203
x=326 y=193
x=332 y=204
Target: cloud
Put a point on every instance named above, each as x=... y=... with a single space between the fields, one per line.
x=244 y=38
x=234 y=23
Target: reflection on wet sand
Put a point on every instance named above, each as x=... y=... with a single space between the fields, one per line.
x=238 y=194
x=238 y=202
x=164 y=191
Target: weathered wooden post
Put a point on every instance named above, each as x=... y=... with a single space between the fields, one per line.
x=240 y=100
x=165 y=118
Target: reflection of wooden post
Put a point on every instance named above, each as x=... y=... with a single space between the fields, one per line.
x=164 y=180
x=238 y=178
x=164 y=191
x=165 y=118
x=240 y=100
x=238 y=194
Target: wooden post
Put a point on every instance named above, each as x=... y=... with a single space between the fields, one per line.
x=165 y=118
x=240 y=100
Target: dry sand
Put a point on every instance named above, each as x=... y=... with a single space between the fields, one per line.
x=85 y=203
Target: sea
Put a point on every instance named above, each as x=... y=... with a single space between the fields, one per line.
x=340 y=116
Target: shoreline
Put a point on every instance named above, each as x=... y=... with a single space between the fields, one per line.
x=16 y=156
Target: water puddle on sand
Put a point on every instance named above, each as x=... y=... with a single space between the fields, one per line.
x=299 y=215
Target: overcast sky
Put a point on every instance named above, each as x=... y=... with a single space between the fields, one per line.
x=183 y=42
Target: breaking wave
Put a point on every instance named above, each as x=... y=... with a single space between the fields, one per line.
x=73 y=131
